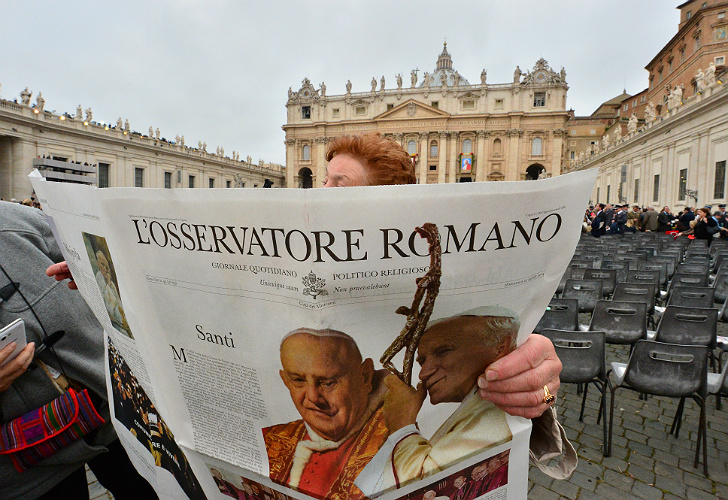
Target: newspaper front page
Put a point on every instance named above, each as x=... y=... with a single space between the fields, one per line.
x=252 y=334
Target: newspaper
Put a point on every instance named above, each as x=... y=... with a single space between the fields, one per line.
x=250 y=332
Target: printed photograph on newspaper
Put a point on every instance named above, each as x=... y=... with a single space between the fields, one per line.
x=323 y=343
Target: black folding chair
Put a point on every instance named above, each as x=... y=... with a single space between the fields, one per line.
x=561 y=314
x=622 y=322
x=586 y=292
x=668 y=370
x=582 y=356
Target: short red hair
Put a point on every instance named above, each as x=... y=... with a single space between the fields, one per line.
x=384 y=161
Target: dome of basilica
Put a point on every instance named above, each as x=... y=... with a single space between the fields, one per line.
x=443 y=73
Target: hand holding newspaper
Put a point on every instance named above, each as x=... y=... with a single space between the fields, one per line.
x=242 y=328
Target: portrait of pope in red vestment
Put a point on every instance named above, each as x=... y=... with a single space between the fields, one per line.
x=339 y=396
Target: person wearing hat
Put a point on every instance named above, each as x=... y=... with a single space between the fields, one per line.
x=620 y=220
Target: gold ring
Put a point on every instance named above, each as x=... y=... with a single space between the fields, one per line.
x=548 y=398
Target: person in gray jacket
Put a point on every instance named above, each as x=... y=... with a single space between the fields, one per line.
x=27 y=248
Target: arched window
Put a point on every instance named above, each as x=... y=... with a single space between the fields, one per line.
x=412 y=148
x=306 y=153
x=536 y=144
x=497 y=147
x=433 y=148
x=467 y=146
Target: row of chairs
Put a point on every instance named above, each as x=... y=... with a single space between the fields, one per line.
x=656 y=368
x=621 y=295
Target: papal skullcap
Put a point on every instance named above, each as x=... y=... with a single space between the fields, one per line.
x=325 y=332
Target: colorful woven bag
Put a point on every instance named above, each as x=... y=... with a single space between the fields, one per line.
x=40 y=433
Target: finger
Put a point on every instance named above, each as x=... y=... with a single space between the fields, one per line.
x=527 y=356
x=58 y=268
x=26 y=356
x=530 y=380
x=521 y=399
x=72 y=285
x=7 y=351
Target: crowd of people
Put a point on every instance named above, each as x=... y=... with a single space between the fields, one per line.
x=604 y=219
x=28 y=202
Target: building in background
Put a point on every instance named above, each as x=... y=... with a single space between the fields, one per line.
x=454 y=130
x=671 y=147
x=75 y=148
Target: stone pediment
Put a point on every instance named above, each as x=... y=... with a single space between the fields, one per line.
x=412 y=109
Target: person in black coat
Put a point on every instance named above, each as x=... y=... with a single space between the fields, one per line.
x=705 y=227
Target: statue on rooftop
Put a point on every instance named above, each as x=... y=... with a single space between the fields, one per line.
x=605 y=141
x=710 y=74
x=617 y=133
x=426 y=79
x=562 y=75
x=119 y=123
x=290 y=93
x=182 y=141
x=348 y=86
x=374 y=84
x=381 y=82
x=443 y=79
x=399 y=81
x=126 y=125
x=199 y=144
x=204 y=147
x=679 y=90
x=39 y=102
x=650 y=113
x=79 y=113
x=25 y=96
x=483 y=76
x=517 y=75
x=700 y=81
x=176 y=139
x=323 y=89
x=632 y=124
x=151 y=130
x=413 y=78
x=89 y=114
x=157 y=133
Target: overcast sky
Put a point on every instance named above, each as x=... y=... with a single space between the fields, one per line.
x=219 y=71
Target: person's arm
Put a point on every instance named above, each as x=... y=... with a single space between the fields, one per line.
x=60 y=272
x=17 y=366
x=515 y=382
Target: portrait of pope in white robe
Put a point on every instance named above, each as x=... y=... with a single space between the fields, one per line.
x=452 y=353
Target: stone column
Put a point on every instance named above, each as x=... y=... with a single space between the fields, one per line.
x=424 y=136
x=319 y=164
x=442 y=157
x=481 y=161
x=453 y=166
x=514 y=154
x=556 y=152
x=291 y=163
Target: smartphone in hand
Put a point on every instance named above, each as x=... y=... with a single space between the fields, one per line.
x=14 y=332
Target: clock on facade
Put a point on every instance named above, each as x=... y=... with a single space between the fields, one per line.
x=541 y=76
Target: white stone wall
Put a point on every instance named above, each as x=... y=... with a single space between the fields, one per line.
x=693 y=137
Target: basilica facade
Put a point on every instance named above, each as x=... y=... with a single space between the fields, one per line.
x=454 y=130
